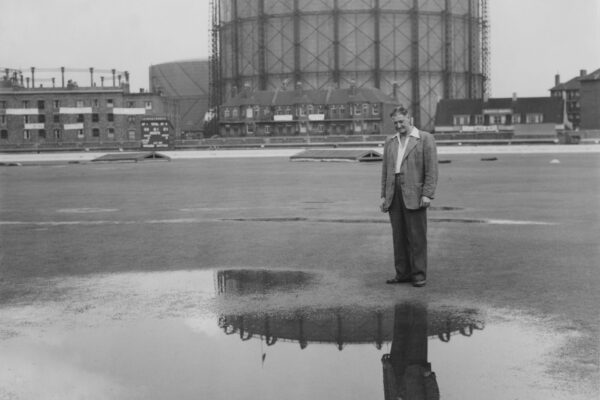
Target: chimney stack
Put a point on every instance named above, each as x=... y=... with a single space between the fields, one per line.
x=556 y=80
x=514 y=96
x=582 y=73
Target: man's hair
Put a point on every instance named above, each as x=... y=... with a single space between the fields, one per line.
x=400 y=110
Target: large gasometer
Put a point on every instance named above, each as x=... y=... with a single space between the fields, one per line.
x=419 y=50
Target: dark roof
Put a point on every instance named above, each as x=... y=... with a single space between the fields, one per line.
x=320 y=96
x=447 y=108
x=594 y=76
x=575 y=83
x=551 y=107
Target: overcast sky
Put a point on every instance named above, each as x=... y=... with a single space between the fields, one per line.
x=531 y=40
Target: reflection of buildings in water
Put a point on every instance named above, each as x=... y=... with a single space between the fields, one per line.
x=342 y=325
x=345 y=325
x=407 y=373
x=254 y=281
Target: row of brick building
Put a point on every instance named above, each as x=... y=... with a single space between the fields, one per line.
x=75 y=116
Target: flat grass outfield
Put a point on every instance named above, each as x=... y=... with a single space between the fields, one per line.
x=518 y=232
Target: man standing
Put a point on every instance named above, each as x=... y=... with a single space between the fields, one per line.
x=408 y=181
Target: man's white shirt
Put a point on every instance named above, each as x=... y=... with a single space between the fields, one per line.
x=402 y=148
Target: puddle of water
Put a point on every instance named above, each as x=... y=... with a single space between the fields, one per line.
x=165 y=335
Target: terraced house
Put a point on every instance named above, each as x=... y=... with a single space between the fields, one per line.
x=281 y=112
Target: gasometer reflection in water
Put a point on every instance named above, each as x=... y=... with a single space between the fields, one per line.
x=408 y=326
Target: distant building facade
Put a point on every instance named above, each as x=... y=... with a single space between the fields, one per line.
x=590 y=101
x=515 y=116
x=348 y=111
x=570 y=92
x=75 y=116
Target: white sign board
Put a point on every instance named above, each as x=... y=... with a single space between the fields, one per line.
x=73 y=126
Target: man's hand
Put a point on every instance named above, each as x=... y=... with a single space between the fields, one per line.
x=425 y=202
x=382 y=206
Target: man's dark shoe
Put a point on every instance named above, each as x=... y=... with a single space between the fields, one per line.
x=419 y=281
x=399 y=279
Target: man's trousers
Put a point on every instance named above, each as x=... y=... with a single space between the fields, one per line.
x=409 y=231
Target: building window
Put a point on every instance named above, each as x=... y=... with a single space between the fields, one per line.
x=56 y=103
x=56 y=118
x=365 y=109
x=95 y=132
x=79 y=117
x=516 y=118
x=79 y=103
x=534 y=118
x=332 y=111
x=234 y=113
x=267 y=111
x=321 y=109
x=41 y=118
x=3 y=134
x=26 y=134
x=148 y=105
x=300 y=109
x=256 y=111
x=342 y=111
x=131 y=119
x=3 y=119
x=130 y=104
x=226 y=113
x=95 y=102
x=310 y=109
x=461 y=120
x=110 y=117
x=279 y=111
x=41 y=104
x=25 y=103
x=57 y=134
x=375 y=109
x=131 y=135
x=288 y=110
x=80 y=134
x=111 y=133
x=42 y=134
x=26 y=119
x=95 y=117
x=2 y=104
x=109 y=103
x=497 y=119
x=479 y=119
x=268 y=129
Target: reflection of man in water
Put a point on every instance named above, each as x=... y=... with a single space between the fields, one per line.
x=406 y=373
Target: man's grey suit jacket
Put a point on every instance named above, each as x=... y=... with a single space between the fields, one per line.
x=418 y=172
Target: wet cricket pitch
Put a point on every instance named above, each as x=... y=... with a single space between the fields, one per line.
x=185 y=281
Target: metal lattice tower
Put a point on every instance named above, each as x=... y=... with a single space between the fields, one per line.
x=422 y=50
x=485 y=44
x=214 y=77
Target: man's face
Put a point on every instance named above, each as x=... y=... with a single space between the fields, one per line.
x=402 y=123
